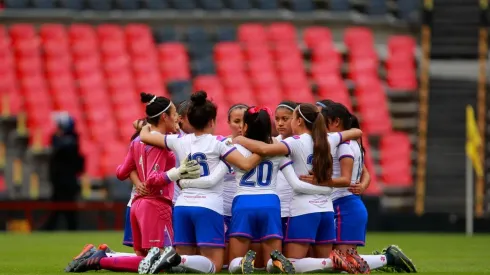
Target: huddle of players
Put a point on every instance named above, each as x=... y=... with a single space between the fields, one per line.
x=310 y=176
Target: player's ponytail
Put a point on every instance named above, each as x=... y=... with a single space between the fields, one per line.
x=259 y=125
x=322 y=158
x=155 y=107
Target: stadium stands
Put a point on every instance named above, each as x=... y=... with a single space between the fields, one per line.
x=401 y=9
x=96 y=74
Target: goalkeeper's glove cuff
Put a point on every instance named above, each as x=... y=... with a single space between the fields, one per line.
x=173 y=174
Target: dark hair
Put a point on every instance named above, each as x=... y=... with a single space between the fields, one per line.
x=348 y=120
x=237 y=106
x=137 y=133
x=325 y=103
x=259 y=126
x=155 y=106
x=287 y=104
x=201 y=110
x=322 y=158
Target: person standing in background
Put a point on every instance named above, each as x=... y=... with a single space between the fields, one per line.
x=65 y=165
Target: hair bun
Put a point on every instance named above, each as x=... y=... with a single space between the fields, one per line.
x=199 y=98
x=145 y=98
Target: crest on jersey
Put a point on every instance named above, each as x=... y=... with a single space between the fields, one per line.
x=156 y=167
x=296 y=137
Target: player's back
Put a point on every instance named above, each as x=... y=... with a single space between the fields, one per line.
x=150 y=160
x=207 y=150
x=261 y=180
x=301 y=154
x=284 y=190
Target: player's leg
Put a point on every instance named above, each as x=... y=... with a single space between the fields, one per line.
x=135 y=229
x=391 y=259
x=128 y=234
x=351 y=218
x=325 y=235
x=241 y=234
x=226 y=261
x=155 y=220
x=256 y=246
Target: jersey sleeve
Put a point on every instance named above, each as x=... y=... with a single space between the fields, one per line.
x=225 y=148
x=301 y=186
x=335 y=139
x=171 y=141
x=208 y=181
x=345 y=151
x=292 y=144
x=123 y=170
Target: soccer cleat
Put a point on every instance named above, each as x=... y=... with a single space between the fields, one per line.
x=341 y=263
x=247 y=262
x=168 y=259
x=147 y=262
x=87 y=251
x=282 y=263
x=398 y=260
x=357 y=261
x=106 y=248
x=92 y=263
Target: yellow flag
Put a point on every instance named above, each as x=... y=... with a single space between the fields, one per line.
x=473 y=141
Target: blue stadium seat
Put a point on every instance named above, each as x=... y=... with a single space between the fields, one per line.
x=211 y=5
x=339 y=5
x=302 y=5
x=267 y=4
x=226 y=34
x=203 y=66
x=200 y=50
x=16 y=4
x=100 y=5
x=197 y=34
x=240 y=4
x=179 y=90
x=165 y=34
x=184 y=4
x=127 y=4
x=377 y=7
x=408 y=8
x=44 y=4
x=72 y=4
x=155 y=4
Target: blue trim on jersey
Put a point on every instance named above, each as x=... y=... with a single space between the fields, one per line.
x=165 y=139
x=227 y=153
x=221 y=138
x=289 y=149
x=340 y=134
x=346 y=142
x=286 y=164
x=346 y=156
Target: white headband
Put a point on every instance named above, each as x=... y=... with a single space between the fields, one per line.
x=321 y=104
x=164 y=110
x=151 y=101
x=301 y=114
x=285 y=106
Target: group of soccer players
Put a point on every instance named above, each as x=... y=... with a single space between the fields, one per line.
x=287 y=204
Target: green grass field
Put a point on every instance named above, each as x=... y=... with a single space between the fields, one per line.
x=48 y=253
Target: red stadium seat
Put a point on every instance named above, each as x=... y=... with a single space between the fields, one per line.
x=281 y=51
x=110 y=32
x=326 y=52
x=358 y=37
x=212 y=85
x=11 y=103
x=374 y=188
x=269 y=96
x=369 y=92
x=252 y=33
x=316 y=35
x=228 y=68
x=22 y=32
x=282 y=33
x=395 y=159
x=257 y=52
x=81 y=32
x=301 y=93
x=226 y=51
x=92 y=154
x=336 y=90
x=401 y=44
x=53 y=32
x=135 y=32
x=240 y=94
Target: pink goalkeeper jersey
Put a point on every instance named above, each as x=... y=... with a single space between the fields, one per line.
x=151 y=163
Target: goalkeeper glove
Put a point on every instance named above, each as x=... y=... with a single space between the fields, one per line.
x=188 y=169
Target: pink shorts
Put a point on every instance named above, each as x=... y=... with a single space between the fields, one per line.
x=151 y=223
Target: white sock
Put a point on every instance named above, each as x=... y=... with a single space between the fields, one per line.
x=235 y=266
x=271 y=268
x=375 y=261
x=307 y=265
x=120 y=254
x=197 y=264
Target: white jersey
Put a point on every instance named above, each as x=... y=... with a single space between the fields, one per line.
x=301 y=153
x=207 y=150
x=260 y=180
x=349 y=149
x=284 y=190
x=229 y=188
x=333 y=149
